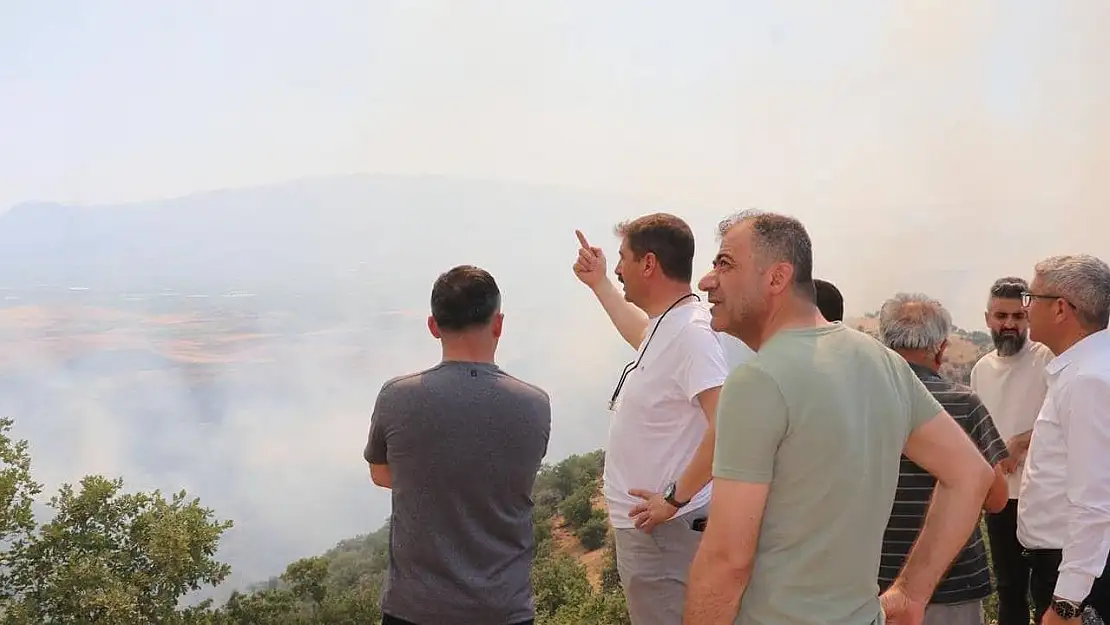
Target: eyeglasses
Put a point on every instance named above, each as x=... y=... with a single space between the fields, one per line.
x=636 y=363
x=1027 y=298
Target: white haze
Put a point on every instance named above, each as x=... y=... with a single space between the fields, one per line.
x=928 y=146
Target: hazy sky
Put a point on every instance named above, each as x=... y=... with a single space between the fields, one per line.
x=849 y=105
x=883 y=122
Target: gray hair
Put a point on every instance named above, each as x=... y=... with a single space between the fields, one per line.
x=778 y=238
x=914 y=321
x=1084 y=281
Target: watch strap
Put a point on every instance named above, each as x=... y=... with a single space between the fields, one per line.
x=669 y=496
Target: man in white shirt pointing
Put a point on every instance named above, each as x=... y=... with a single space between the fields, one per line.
x=1064 y=504
x=658 y=459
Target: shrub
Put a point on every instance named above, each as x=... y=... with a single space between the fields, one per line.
x=593 y=531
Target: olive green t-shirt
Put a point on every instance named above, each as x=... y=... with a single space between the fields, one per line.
x=822 y=415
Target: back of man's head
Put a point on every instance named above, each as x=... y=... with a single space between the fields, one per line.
x=828 y=299
x=667 y=237
x=914 y=322
x=464 y=298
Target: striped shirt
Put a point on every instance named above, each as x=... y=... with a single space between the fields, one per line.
x=969 y=577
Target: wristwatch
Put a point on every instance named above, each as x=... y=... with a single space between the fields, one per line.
x=668 y=496
x=1065 y=609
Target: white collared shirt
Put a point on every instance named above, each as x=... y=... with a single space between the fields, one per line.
x=1065 y=492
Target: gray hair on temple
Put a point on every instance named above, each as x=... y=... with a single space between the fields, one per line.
x=1084 y=281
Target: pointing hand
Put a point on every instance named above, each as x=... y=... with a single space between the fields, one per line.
x=590 y=266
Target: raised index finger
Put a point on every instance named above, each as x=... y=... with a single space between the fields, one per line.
x=582 y=240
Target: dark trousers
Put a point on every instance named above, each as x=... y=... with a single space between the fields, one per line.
x=1043 y=570
x=1011 y=569
x=393 y=620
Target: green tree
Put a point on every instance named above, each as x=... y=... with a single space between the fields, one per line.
x=109 y=557
x=577 y=508
x=593 y=532
x=306 y=578
x=17 y=493
x=105 y=557
x=610 y=577
x=557 y=581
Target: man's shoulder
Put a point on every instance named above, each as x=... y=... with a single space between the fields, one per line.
x=403 y=382
x=986 y=360
x=1042 y=353
x=693 y=333
x=694 y=321
x=958 y=400
x=524 y=388
x=754 y=374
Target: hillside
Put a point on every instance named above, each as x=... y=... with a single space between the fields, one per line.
x=574 y=571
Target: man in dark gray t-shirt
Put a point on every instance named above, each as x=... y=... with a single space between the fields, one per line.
x=459 y=445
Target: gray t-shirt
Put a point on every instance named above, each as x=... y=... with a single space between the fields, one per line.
x=463 y=442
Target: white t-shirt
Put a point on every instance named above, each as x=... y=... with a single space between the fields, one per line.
x=1013 y=390
x=658 y=423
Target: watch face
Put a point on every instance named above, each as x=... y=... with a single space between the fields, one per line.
x=1065 y=610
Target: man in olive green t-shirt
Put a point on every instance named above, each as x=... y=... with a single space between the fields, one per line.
x=809 y=437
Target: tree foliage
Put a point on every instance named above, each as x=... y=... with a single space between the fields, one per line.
x=106 y=556
x=113 y=557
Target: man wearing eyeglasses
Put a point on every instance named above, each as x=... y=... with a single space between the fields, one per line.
x=660 y=449
x=1064 y=503
x=1011 y=382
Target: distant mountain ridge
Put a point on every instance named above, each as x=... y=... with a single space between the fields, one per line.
x=330 y=229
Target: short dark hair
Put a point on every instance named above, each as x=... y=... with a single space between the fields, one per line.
x=828 y=299
x=779 y=238
x=668 y=237
x=1009 y=288
x=464 y=297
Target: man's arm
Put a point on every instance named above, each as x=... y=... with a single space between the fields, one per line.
x=943 y=448
x=1086 y=408
x=700 y=470
x=723 y=565
x=751 y=423
x=993 y=449
x=375 y=452
x=630 y=321
x=999 y=493
x=1018 y=448
x=704 y=369
x=380 y=475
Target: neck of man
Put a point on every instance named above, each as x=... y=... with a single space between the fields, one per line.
x=793 y=313
x=468 y=347
x=920 y=358
x=662 y=297
x=1067 y=340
